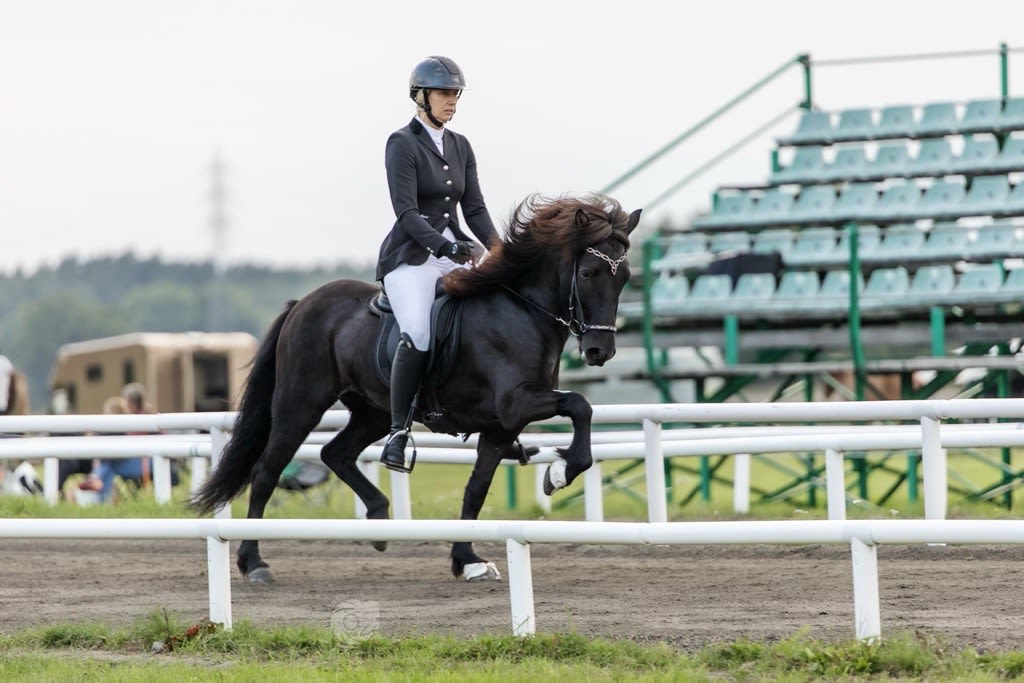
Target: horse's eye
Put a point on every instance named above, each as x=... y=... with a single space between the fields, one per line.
x=586 y=273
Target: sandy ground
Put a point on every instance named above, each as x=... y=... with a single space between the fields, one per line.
x=687 y=596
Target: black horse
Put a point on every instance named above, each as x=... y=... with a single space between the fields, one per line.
x=560 y=270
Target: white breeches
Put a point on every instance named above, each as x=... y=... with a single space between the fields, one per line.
x=411 y=293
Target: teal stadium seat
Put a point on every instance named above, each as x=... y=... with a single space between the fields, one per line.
x=976 y=285
x=1012 y=117
x=708 y=294
x=898 y=242
x=868 y=239
x=1014 y=205
x=771 y=207
x=931 y=284
x=937 y=118
x=997 y=240
x=808 y=163
x=814 y=203
x=986 y=195
x=896 y=121
x=886 y=287
x=897 y=201
x=834 y=294
x=729 y=210
x=854 y=124
x=934 y=157
x=1013 y=285
x=814 y=128
x=1011 y=157
x=978 y=156
x=752 y=292
x=981 y=116
x=813 y=247
x=942 y=198
x=850 y=163
x=668 y=291
x=778 y=240
x=684 y=250
x=796 y=288
x=855 y=202
x=728 y=242
x=892 y=160
x=946 y=241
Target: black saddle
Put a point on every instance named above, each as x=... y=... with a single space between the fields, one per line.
x=445 y=330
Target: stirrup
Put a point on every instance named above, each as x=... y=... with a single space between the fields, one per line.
x=393 y=464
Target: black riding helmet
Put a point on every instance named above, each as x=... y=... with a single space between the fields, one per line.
x=434 y=73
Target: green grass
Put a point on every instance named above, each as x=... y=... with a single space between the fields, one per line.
x=93 y=652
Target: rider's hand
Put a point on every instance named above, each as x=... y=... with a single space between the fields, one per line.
x=459 y=251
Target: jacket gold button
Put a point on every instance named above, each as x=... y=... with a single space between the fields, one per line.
x=445 y=167
x=447 y=199
x=447 y=182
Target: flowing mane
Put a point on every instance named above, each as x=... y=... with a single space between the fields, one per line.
x=538 y=226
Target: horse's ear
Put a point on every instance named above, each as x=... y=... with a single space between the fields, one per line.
x=634 y=218
x=581 y=218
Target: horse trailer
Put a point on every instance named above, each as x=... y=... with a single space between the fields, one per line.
x=181 y=372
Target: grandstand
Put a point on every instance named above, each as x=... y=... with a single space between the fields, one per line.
x=884 y=240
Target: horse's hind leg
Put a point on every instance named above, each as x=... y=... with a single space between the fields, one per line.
x=491 y=449
x=285 y=439
x=365 y=425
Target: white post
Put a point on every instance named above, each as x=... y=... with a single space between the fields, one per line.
x=161 y=479
x=933 y=465
x=372 y=472
x=866 y=610
x=741 y=483
x=520 y=588
x=218 y=567
x=543 y=501
x=835 y=484
x=654 y=468
x=401 y=501
x=51 y=477
x=218 y=552
x=593 y=502
x=200 y=468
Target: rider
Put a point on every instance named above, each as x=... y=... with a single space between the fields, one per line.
x=6 y=378
x=430 y=170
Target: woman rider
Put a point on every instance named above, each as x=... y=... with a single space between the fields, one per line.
x=430 y=171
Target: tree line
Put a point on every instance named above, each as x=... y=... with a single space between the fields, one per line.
x=78 y=300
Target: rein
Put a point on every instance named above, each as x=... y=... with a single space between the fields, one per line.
x=576 y=325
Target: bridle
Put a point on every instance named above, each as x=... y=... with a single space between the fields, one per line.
x=576 y=323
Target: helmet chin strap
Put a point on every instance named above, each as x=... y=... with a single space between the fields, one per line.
x=426 y=109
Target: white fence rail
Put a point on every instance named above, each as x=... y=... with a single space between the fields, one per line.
x=863 y=538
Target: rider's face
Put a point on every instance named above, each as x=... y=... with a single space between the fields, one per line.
x=442 y=103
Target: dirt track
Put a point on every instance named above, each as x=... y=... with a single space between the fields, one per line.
x=687 y=596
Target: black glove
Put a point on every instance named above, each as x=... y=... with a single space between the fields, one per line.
x=460 y=251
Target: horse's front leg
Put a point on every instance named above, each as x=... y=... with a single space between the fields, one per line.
x=526 y=405
x=491 y=449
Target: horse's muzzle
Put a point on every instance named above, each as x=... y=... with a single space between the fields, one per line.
x=598 y=354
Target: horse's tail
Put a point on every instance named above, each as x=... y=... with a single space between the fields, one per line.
x=252 y=427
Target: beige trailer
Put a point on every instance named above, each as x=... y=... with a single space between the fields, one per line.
x=181 y=372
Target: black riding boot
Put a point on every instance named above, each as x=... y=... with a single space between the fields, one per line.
x=406 y=374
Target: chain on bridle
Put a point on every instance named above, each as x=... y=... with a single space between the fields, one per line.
x=576 y=323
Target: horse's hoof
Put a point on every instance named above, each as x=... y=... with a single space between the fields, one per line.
x=260 y=576
x=380 y=546
x=481 y=571
x=554 y=478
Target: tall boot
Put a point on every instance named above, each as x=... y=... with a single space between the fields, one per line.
x=406 y=374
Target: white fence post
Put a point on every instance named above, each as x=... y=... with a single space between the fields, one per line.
x=520 y=588
x=741 y=483
x=218 y=552
x=654 y=469
x=866 y=611
x=401 y=500
x=835 y=484
x=51 y=477
x=933 y=466
x=161 y=479
x=199 y=467
x=593 y=494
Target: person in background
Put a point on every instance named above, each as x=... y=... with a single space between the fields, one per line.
x=6 y=382
x=431 y=171
x=132 y=401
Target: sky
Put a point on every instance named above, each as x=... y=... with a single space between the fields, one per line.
x=112 y=111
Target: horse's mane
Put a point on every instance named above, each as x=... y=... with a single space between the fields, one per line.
x=537 y=226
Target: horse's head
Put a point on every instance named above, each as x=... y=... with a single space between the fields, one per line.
x=600 y=271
